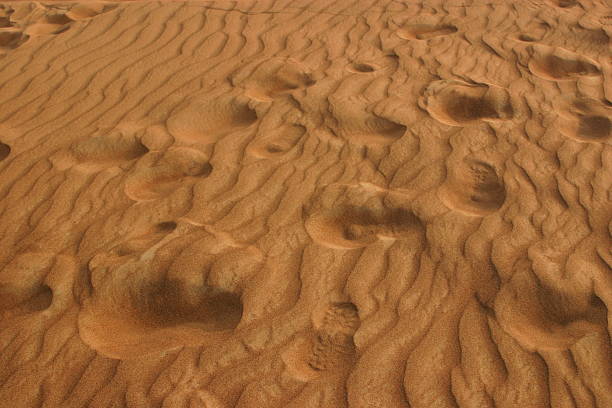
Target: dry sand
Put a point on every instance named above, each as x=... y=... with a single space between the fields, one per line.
x=306 y=204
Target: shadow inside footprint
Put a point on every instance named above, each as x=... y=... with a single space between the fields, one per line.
x=9 y=40
x=425 y=31
x=594 y=127
x=362 y=68
x=5 y=150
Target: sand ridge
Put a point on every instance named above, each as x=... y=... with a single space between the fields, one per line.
x=291 y=203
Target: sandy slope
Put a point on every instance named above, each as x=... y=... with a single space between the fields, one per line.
x=305 y=204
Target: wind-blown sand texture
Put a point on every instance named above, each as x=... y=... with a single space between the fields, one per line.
x=306 y=204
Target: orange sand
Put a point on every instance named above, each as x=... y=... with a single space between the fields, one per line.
x=393 y=203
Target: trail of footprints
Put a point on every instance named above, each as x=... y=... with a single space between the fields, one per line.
x=160 y=314
x=20 y=22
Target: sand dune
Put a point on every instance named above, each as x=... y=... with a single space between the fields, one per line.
x=292 y=203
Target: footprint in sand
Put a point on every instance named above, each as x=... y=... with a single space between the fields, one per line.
x=207 y=120
x=273 y=78
x=109 y=148
x=22 y=285
x=473 y=187
x=351 y=120
x=351 y=227
x=147 y=316
x=177 y=167
x=541 y=316
x=141 y=304
x=278 y=142
x=458 y=103
x=559 y=64
x=329 y=348
x=585 y=120
x=5 y=150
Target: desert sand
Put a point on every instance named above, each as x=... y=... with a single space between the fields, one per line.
x=275 y=203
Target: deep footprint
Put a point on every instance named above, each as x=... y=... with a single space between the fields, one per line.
x=541 y=317
x=457 y=103
x=10 y=40
x=474 y=188
x=585 y=120
x=559 y=64
x=137 y=303
x=157 y=316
